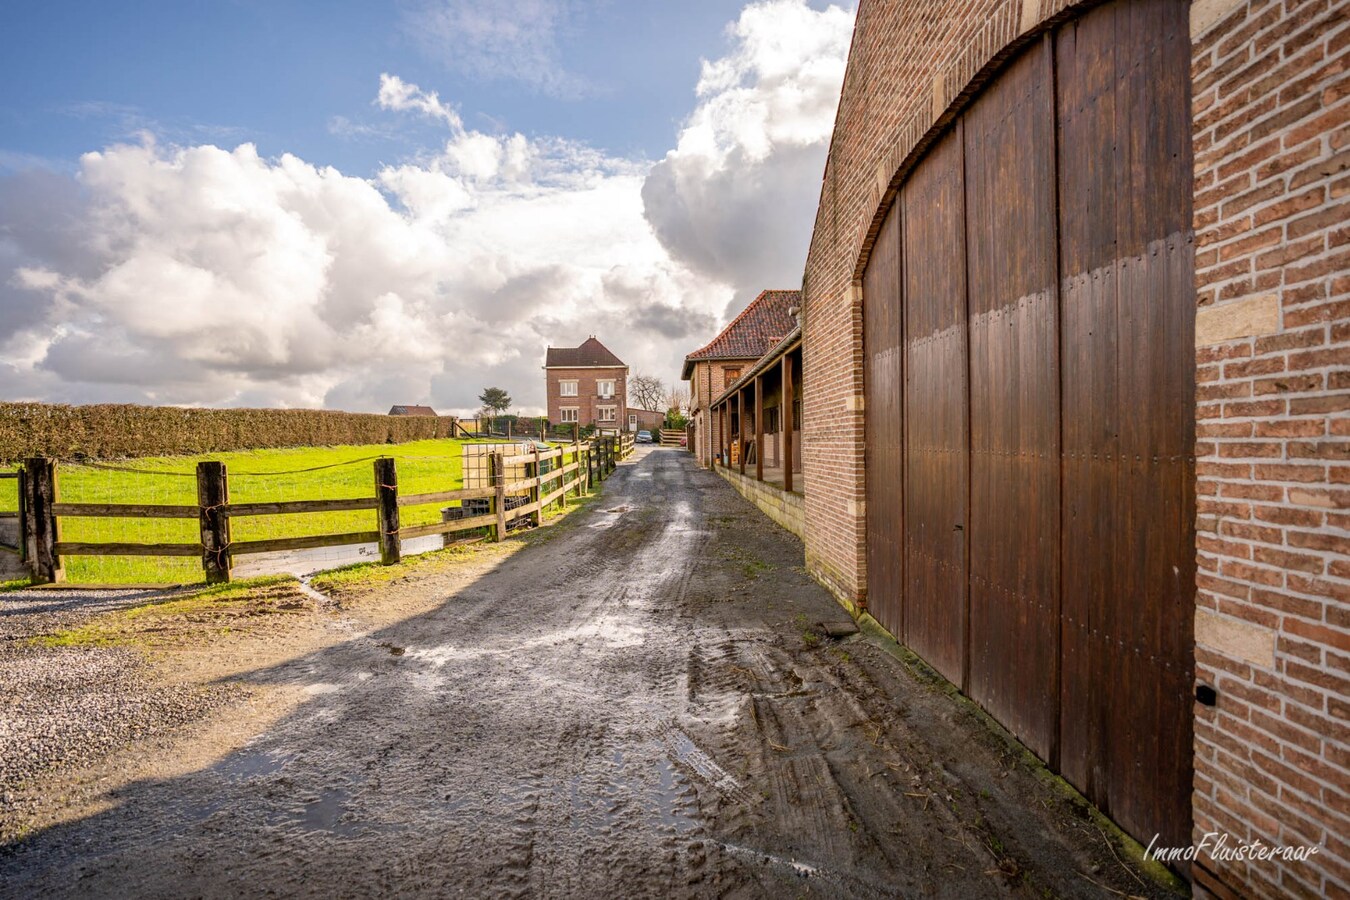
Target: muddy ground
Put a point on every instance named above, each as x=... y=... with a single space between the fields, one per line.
x=637 y=703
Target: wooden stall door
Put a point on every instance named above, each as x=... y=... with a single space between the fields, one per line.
x=883 y=314
x=1014 y=400
x=1127 y=345
x=935 y=408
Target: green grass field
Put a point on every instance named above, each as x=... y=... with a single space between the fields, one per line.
x=256 y=476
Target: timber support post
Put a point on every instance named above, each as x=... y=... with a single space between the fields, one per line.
x=386 y=496
x=213 y=494
x=537 y=491
x=41 y=531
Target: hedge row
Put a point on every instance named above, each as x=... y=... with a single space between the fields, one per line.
x=109 y=431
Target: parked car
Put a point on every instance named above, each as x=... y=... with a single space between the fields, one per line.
x=644 y=437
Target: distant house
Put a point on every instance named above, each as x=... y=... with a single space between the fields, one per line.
x=411 y=411
x=587 y=385
x=712 y=368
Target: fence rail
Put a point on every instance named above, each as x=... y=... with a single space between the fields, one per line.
x=494 y=509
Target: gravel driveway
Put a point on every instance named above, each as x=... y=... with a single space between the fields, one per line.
x=637 y=705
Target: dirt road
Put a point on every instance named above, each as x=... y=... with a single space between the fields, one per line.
x=635 y=706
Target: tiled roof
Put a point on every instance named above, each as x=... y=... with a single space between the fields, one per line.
x=411 y=411
x=590 y=353
x=754 y=332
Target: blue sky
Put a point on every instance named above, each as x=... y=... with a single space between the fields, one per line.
x=392 y=202
x=80 y=75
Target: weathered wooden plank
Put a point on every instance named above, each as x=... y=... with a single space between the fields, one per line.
x=1014 y=400
x=9 y=515
x=472 y=522
x=883 y=315
x=11 y=548
x=446 y=496
x=126 y=510
x=524 y=484
x=290 y=507
x=305 y=543
x=522 y=458
x=936 y=408
x=112 y=548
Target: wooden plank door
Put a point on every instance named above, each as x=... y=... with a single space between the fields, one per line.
x=1014 y=400
x=936 y=474
x=884 y=439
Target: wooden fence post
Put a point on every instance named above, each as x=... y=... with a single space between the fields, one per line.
x=386 y=495
x=498 y=471
x=576 y=450
x=537 y=492
x=213 y=493
x=41 y=530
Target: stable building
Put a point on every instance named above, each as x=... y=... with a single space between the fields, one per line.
x=764 y=322
x=1076 y=356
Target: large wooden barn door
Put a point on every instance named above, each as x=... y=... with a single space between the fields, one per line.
x=885 y=437
x=1128 y=357
x=936 y=479
x=1014 y=400
x=1036 y=477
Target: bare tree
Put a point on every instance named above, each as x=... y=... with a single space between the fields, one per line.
x=646 y=391
x=678 y=400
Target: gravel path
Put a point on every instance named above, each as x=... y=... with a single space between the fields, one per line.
x=635 y=705
x=67 y=706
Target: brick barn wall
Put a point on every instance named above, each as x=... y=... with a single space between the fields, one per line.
x=1272 y=197
x=1272 y=226
x=910 y=67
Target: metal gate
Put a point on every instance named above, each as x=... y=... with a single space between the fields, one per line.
x=1035 y=474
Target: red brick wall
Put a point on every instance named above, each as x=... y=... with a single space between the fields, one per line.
x=587 y=399
x=1272 y=232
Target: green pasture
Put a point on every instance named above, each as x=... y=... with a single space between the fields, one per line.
x=255 y=476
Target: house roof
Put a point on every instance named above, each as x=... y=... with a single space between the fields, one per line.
x=759 y=327
x=403 y=410
x=590 y=354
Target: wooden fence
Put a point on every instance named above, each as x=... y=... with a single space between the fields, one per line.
x=578 y=468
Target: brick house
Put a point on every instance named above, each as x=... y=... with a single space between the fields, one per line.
x=1077 y=375
x=737 y=347
x=586 y=385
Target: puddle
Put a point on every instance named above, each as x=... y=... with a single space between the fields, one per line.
x=249 y=764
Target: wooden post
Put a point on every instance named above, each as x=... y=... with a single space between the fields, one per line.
x=786 y=421
x=537 y=491
x=759 y=427
x=498 y=471
x=576 y=457
x=740 y=425
x=213 y=493
x=386 y=495
x=41 y=529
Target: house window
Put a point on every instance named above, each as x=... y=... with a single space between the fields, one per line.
x=607 y=413
x=605 y=388
x=569 y=413
x=730 y=374
x=567 y=389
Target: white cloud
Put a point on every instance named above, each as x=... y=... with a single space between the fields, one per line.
x=505 y=40
x=203 y=275
x=736 y=197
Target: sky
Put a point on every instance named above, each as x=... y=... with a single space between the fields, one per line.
x=255 y=203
